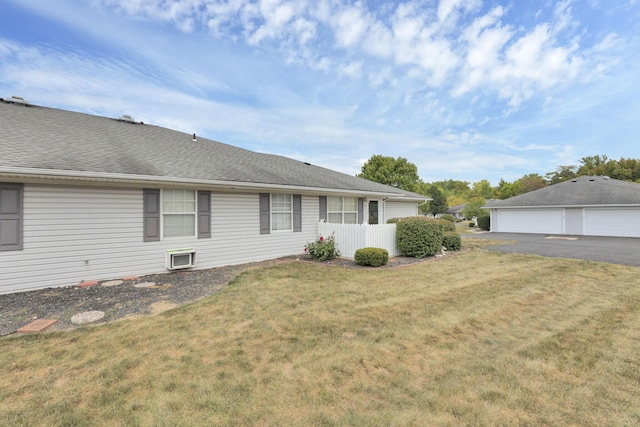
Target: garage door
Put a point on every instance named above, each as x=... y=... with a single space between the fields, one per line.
x=621 y=222
x=543 y=221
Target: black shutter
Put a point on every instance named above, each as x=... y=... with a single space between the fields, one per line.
x=323 y=208
x=11 y=217
x=360 y=210
x=151 y=214
x=204 y=214
x=297 y=212
x=265 y=214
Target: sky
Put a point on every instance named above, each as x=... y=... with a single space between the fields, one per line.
x=464 y=89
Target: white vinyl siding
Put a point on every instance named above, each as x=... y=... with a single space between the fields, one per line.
x=178 y=213
x=342 y=210
x=398 y=210
x=74 y=234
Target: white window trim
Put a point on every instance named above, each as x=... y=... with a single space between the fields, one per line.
x=343 y=211
x=162 y=215
x=272 y=213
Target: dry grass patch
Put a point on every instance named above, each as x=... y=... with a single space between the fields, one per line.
x=475 y=243
x=482 y=338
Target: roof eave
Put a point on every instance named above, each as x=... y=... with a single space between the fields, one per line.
x=409 y=198
x=103 y=178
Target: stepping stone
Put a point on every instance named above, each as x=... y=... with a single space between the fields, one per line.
x=112 y=283
x=144 y=285
x=87 y=317
x=37 y=326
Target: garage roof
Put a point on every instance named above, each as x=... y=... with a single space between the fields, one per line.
x=581 y=191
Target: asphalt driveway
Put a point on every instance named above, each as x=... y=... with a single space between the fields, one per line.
x=615 y=250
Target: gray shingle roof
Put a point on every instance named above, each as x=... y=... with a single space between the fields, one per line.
x=456 y=209
x=582 y=191
x=44 y=138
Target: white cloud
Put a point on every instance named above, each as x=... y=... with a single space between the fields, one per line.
x=563 y=16
x=453 y=45
x=350 y=25
x=180 y=12
x=275 y=16
x=352 y=69
x=378 y=41
x=448 y=10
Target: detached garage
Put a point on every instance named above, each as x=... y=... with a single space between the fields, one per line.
x=588 y=205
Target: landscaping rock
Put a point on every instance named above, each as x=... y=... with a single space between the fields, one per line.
x=112 y=283
x=87 y=317
x=145 y=285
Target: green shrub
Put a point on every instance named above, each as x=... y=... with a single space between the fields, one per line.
x=445 y=224
x=472 y=224
x=393 y=220
x=448 y=217
x=375 y=257
x=484 y=222
x=322 y=249
x=451 y=241
x=418 y=236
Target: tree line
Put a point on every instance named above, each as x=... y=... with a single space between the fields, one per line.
x=400 y=173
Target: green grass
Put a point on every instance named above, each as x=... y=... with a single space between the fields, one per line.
x=480 y=338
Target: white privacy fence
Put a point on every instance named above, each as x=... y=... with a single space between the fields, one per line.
x=351 y=237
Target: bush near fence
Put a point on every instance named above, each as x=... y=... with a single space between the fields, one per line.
x=374 y=257
x=419 y=236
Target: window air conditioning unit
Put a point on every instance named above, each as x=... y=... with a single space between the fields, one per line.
x=176 y=259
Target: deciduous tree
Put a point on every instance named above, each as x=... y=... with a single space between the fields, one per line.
x=473 y=208
x=438 y=204
x=399 y=173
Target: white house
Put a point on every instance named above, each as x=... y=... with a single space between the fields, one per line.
x=85 y=198
x=587 y=205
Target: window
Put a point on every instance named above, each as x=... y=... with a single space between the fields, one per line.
x=342 y=210
x=178 y=213
x=10 y=217
x=280 y=212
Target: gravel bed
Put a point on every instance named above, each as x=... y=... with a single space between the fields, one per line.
x=119 y=301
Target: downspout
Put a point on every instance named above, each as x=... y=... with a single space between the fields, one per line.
x=384 y=210
x=418 y=207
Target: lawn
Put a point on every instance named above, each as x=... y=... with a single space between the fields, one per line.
x=479 y=338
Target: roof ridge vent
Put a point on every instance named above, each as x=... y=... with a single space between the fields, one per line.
x=17 y=100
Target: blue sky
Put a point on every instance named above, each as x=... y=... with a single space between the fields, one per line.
x=464 y=89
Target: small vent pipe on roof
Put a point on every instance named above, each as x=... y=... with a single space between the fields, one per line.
x=126 y=118
x=17 y=100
